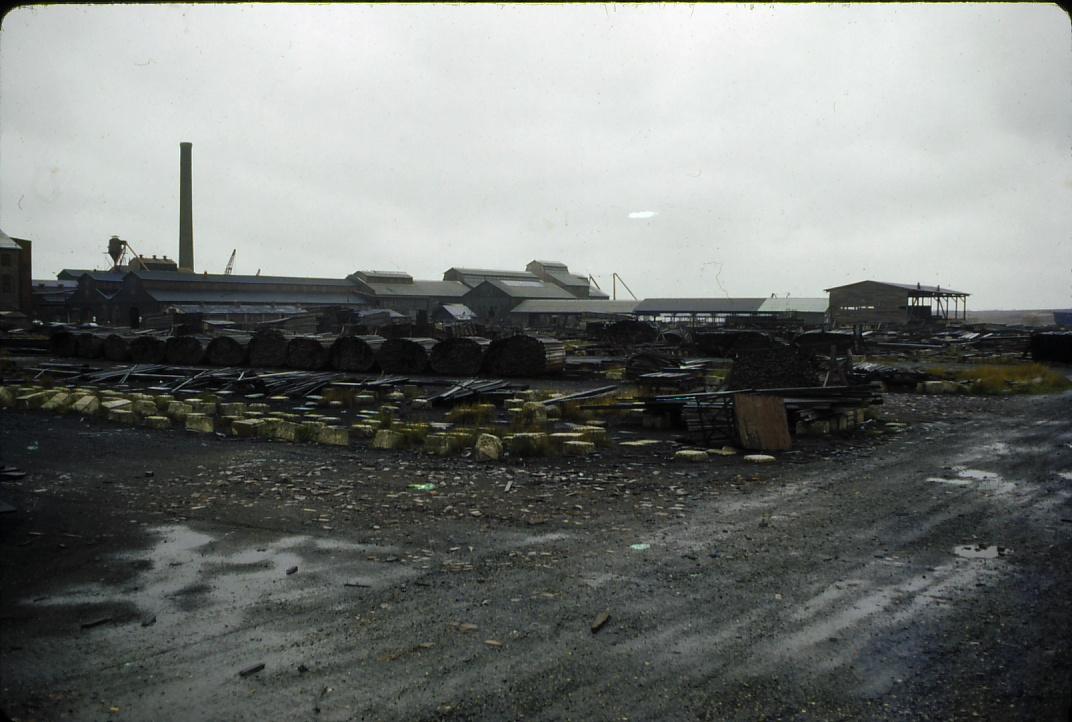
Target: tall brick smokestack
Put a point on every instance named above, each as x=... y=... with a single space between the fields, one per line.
x=186 y=209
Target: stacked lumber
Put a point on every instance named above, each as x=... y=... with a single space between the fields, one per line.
x=405 y=355
x=116 y=347
x=147 y=349
x=308 y=353
x=63 y=343
x=89 y=345
x=355 y=353
x=227 y=351
x=525 y=356
x=776 y=367
x=462 y=356
x=268 y=348
x=186 y=350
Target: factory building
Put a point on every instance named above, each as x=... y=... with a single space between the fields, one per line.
x=571 y=313
x=16 y=266
x=401 y=292
x=725 y=311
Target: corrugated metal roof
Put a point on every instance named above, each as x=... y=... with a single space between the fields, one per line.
x=459 y=311
x=490 y=272
x=442 y=289
x=794 y=305
x=529 y=289
x=223 y=310
x=919 y=288
x=384 y=276
x=576 y=305
x=699 y=305
x=549 y=264
x=257 y=297
x=106 y=276
x=181 y=277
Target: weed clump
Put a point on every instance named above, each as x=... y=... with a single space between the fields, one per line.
x=1009 y=379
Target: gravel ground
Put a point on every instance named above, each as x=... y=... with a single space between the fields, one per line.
x=921 y=574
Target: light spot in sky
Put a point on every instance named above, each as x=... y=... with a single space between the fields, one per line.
x=643 y=214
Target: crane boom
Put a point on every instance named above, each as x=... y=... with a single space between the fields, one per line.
x=230 y=263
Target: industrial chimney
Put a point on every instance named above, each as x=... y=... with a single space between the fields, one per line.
x=186 y=210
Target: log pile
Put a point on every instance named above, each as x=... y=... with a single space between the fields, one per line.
x=227 y=351
x=771 y=368
x=268 y=348
x=116 y=347
x=89 y=345
x=405 y=355
x=308 y=353
x=147 y=349
x=186 y=350
x=462 y=356
x=355 y=353
x=525 y=356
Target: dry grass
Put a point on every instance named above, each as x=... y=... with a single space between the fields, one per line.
x=1008 y=379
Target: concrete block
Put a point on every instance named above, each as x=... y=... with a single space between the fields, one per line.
x=117 y=405
x=158 y=422
x=309 y=430
x=488 y=447
x=59 y=401
x=284 y=431
x=260 y=407
x=122 y=416
x=595 y=434
x=141 y=407
x=7 y=397
x=578 y=448
x=387 y=439
x=365 y=431
x=333 y=436
x=640 y=443
x=86 y=406
x=395 y=397
x=364 y=399
x=201 y=423
x=528 y=444
x=162 y=401
x=33 y=400
x=690 y=455
x=233 y=408
x=759 y=458
x=178 y=410
x=437 y=443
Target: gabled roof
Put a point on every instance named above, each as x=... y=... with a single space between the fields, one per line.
x=917 y=288
x=384 y=276
x=73 y=274
x=575 y=306
x=527 y=289
x=490 y=272
x=459 y=311
x=562 y=278
x=7 y=244
x=699 y=305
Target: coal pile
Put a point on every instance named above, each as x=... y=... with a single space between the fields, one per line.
x=405 y=355
x=462 y=356
x=308 y=353
x=89 y=345
x=268 y=348
x=525 y=356
x=116 y=348
x=773 y=368
x=355 y=353
x=185 y=350
x=63 y=343
x=821 y=341
x=227 y=351
x=1052 y=346
x=727 y=344
x=629 y=332
x=148 y=350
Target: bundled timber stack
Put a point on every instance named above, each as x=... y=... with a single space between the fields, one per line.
x=355 y=353
x=629 y=331
x=525 y=356
x=463 y=356
x=117 y=347
x=146 y=349
x=89 y=345
x=268 y=348
x=308 y=353
x=405 y=355
x=63 y=343
x=646 y=362
x=777 y=367
x=227 y=350
x=186 y=350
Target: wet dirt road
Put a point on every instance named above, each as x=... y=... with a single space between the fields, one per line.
x=925 y=577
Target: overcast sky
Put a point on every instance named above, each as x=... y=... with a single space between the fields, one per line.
x=700 y=150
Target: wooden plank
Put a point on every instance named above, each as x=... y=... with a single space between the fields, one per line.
x=762 y=424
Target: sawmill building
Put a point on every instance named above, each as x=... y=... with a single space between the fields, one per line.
x=874 y=303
